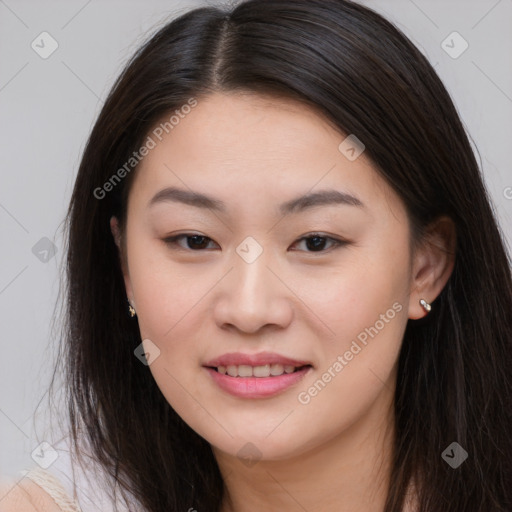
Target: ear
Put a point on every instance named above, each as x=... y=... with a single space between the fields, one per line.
x=116 y=233
x=433 y=264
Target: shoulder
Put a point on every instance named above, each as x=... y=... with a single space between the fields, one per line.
x=25 y=496
x=68 y=484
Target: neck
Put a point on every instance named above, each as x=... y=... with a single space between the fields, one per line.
x=348 y=473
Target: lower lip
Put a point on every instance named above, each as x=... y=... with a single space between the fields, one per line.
x=257 y=387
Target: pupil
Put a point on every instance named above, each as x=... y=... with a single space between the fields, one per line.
x=195 y=237
x=315 y=245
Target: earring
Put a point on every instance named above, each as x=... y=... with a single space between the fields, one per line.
x=130 y=309
x=425 y=305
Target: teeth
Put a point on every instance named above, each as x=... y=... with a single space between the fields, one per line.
x=261 y=371
x=266 y=370
x=233 y=371
x=244 y=370
x=276 y=369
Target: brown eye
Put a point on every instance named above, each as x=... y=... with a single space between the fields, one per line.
x=316 y=242
x=193 y=242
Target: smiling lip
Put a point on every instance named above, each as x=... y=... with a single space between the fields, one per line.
x=256 y=387
x=261 y=359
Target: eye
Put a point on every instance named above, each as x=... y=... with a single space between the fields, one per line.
x=193 y=242
x=315 y=242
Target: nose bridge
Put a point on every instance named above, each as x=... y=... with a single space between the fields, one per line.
x=253 y=296
x=253 y=282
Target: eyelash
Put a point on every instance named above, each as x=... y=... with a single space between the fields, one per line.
x=173 y=241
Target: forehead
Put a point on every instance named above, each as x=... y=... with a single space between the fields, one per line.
x=246 y=126
x=248 y=148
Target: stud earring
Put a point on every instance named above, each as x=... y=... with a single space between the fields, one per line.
x=425 y=305
x=130 y=309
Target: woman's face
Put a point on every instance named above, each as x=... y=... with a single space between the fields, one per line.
x=242 y=287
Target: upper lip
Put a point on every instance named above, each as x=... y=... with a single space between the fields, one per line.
x=261 y=359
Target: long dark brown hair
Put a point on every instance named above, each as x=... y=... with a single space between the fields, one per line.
x=454 y=375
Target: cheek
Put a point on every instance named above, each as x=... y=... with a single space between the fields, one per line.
x=357 y=370
x=364 y=306
x=165 y=294
x=365 y=286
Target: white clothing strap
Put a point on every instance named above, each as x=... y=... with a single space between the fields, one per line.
x=54 y=488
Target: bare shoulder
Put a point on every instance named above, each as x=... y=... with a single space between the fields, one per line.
x=25 y=496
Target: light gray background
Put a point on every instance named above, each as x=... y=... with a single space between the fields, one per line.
x=48 y=106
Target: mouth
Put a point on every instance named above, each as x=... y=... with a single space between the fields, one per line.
x=252 y=376
x=245 y=371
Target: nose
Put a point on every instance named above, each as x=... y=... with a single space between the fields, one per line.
x=253 y=296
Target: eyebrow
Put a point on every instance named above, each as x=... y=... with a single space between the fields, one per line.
x=326 y=197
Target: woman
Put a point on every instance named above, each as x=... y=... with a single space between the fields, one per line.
x=286 y=286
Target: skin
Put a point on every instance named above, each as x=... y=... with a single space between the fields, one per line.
x=253 y=153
